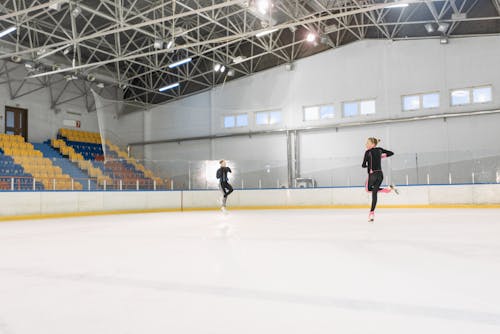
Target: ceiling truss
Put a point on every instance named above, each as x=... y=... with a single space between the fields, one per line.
x=113 y=40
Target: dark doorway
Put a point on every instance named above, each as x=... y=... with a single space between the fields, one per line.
x=16 y=121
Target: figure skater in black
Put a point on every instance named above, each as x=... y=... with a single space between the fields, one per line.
x=225 y=187
x=373 y=163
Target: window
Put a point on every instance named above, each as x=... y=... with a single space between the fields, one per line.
x=460 y=97
x=411 y=102
x=315 y=113
x=430 y=101
x=350 y=109
x=311 y=113
x=242 y=120
x=364 y=107
x=481 y=94
x=368 y=107
x=326 y=112
x=229 y=122
x=420 y=101
x=262 y=118
x=238 y=121
x=10 y=119
x=275 y=117
x=268 y=117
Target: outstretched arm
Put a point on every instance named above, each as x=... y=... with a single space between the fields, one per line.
x=386 y=153
x=229 y=170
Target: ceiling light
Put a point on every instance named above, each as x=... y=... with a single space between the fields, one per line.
x=7 y=31
x=429 y=27
x=158 y=44
x=239 y=59
x=77 y=11
x=170 y=44
x=15 y=59
x=41 y=51
x=263 y=6
x=178 y=31
x=311 y=37
x=28 y=66
x=443 y=26
x=100 y=85
x=180 y=62
x=67 y=50
x=57 y=5
x=398 y=5
x=458 y=16
x=162 y=89
x=223 y=69
x=230 y=73
x=217 y=67
x=265 y=32
x=331 y=28
x=90 y=77
x=444 y=40
x=324 y=39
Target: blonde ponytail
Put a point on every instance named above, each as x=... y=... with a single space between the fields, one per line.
x=374 y=140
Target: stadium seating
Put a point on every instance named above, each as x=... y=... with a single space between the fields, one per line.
x=74 y=161
x=13 y=176
x=83 y=164
x=86 y=149
x=33 y=165
x=66 y=165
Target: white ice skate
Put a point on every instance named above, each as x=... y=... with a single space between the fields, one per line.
x=223 y=204
x=371 y=217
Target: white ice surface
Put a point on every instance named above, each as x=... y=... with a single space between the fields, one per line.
x=298 y=271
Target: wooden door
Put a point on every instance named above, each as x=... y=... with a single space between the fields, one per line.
x=16 y=121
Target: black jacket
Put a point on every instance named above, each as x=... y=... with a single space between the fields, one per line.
x=373 y=159
x=222 y=174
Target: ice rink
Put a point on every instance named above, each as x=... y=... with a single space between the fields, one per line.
x=297 y=271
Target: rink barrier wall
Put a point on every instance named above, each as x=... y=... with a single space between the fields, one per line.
x=28 y=205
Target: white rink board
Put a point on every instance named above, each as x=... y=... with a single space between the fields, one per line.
x=29 y=203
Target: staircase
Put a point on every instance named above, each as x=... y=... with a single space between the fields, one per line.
x=66 y=165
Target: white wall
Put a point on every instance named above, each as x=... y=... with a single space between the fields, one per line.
x=43 y=122
x=368 y=69
x=122 y=129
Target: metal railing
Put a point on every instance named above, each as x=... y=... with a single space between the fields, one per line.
x=459 y=167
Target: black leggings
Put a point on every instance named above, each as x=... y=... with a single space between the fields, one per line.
x=226 y=188
x=374 y=181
